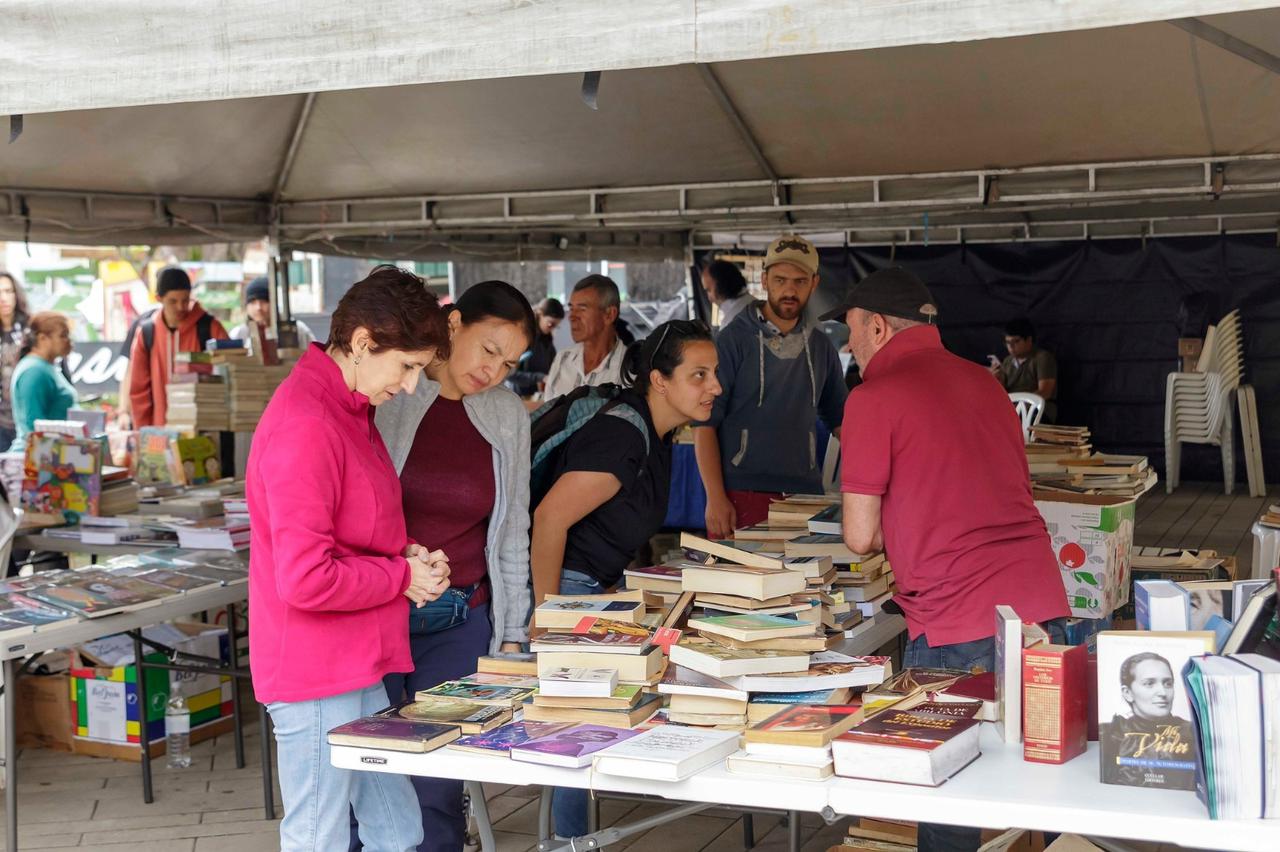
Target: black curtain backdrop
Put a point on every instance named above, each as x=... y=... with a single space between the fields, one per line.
x=1112 y=312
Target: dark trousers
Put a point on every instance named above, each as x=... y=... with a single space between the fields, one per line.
x=437 y=657
x=979 y=655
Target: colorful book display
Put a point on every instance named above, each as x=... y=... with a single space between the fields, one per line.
x=62 y=476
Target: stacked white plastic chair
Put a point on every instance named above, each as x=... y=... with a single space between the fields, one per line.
x=1198 y=406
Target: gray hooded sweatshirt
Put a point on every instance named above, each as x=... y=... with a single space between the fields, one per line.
x=501 y=419
x=775 y=387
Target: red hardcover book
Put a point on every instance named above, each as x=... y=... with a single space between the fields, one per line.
x=182 y=368
x=1055 y=701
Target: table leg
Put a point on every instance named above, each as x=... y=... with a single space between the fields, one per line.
x=144 y=738
x=593 y=813
x=793 y=831
x=480 y=808
x=11 y=755
x=748 y=831
x=544 y=816
x=237 y=720
x=268 y=792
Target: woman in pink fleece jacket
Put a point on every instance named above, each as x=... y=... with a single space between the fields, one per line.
x=331 y=568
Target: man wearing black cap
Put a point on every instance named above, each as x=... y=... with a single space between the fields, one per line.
x=257 y=309
x=935 y=474
x=180 y=325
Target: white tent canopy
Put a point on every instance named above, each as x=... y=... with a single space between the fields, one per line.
x=391 y=129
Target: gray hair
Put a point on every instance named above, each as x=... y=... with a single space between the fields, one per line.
x=605 y=288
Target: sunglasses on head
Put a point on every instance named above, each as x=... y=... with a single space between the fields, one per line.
x=793 y=245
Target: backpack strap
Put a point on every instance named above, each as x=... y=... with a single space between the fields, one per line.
x=204 y=330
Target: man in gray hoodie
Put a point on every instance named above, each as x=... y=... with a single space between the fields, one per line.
x=779 y=375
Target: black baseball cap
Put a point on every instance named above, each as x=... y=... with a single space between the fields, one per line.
x=895 y=292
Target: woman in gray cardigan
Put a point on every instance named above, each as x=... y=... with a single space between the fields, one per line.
x=460 y=443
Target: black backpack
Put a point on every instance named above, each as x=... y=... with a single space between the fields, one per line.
x=556 y=421
x=204 y=331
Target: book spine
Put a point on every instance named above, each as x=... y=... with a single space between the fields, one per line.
x=1053 y=703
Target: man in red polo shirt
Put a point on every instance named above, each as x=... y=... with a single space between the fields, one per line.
x=935 y=473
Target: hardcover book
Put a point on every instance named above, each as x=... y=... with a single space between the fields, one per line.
x=62 y=476
x=198 y=460
x=907 y=746
x=1144 y=713
x=1055 y=699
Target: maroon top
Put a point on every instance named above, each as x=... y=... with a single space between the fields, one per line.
x=937 y=438
x=449 y=492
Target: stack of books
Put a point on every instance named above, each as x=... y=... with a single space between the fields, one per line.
x=251 y=385
x=589 y=696
x=583 y=634
x=197 y=402
x=213 y=534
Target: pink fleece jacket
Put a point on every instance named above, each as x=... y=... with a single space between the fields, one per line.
x=326 y=576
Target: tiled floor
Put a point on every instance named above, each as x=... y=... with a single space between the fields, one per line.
x=69 y=802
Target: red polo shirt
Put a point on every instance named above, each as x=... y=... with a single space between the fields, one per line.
x=937 y=438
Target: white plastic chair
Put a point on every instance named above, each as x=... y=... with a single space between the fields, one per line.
x=1030 y=408
x=1198 y=406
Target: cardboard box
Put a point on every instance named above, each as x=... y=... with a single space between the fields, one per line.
x=44 y=715
x=105 y=699
x=132 y=752
x=1092 y=537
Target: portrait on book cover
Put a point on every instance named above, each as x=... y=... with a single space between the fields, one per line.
x=1145 y=735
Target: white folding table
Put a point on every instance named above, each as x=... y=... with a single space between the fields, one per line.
x=999 y=790
x=66 y=634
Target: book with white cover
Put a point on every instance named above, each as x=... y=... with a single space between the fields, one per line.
x=721 y=662
x=1009 y=674
x=667 y=753
x=817 y=767
x=578 y=682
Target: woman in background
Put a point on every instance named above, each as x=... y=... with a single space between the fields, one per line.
x=13 y=329
x=330 y=562
x=536 y=363
x=611 y=481
x=460 y=443
x=38 y=389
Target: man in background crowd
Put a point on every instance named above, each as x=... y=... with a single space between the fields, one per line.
x=535 y=364
x=779 y=374
x=596 y=356
x=179 y=325
x=1028 y=368
x=726 y=287
x=934 y=473
x=257 y=309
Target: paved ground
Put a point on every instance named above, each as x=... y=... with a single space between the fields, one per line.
x=69 y=802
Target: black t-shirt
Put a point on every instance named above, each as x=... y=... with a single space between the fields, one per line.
x=603 y=543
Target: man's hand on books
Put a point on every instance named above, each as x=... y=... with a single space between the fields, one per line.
x=721 y=517
x=428 y=574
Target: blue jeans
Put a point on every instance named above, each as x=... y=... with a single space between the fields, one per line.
x=979 y=654
x=317 y=796
x=445 y=655
x=569 y=804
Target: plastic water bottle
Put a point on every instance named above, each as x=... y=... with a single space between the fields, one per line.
x=177 y=730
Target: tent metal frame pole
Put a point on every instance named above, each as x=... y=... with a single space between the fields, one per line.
x=1094 y=183
x=1231 y=44
x=1017 y=231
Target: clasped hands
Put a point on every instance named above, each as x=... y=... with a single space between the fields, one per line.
x=428 y=574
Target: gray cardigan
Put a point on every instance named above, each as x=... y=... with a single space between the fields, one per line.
x=501 y=419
